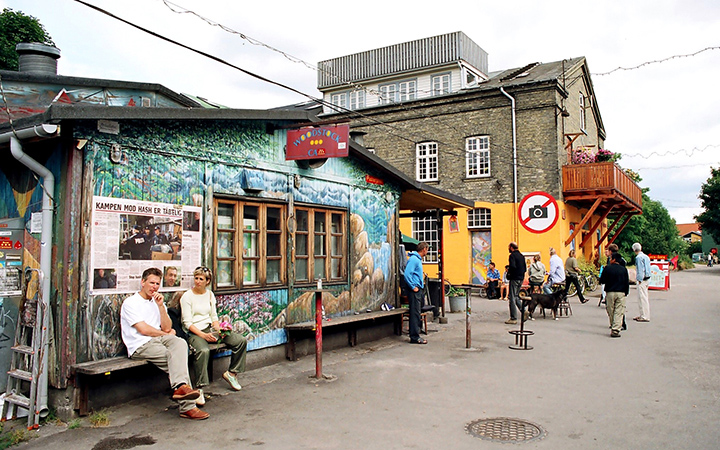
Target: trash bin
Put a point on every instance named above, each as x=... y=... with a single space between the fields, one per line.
x=435 y=292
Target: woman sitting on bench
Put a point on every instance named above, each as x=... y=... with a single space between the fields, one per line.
x=200 y=319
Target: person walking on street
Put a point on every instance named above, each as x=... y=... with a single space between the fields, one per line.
x=556 y=274
x=414 y=278
x=516 y=275
x=642 y=270
x=617 y=287
x=572 y=273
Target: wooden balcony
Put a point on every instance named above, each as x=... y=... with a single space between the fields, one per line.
x=604 y=189
x=584 y=183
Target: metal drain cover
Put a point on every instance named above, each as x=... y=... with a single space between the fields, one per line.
x=505 y=429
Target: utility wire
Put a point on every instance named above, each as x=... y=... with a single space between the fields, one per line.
x=658 y=61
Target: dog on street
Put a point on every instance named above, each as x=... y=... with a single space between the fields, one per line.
x=545 y=301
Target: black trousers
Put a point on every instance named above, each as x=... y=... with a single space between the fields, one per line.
x=415 y=304
x=574 y=280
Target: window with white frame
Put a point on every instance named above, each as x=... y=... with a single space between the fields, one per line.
x=424 y=229
x=440 y=84
x=357 y=99
x=398 y=92
x=479 y=218
x=388 y=94
x=582 y=111
x=339 y=100
x=426 y=167
x=407 y=90
x=477 y=156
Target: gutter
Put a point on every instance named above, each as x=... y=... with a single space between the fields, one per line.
x=514 y=139
x=46 y=239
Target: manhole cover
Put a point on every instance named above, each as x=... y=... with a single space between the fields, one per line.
x=505 y=429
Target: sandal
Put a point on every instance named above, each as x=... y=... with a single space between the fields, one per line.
x=419 y=341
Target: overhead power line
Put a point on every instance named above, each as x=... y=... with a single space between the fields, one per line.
x=657 y=61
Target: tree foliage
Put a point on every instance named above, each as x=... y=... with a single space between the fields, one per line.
x=16 y=28
x=654 y=229
x=710 y=201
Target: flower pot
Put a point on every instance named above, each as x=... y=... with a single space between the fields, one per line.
x=457 y=304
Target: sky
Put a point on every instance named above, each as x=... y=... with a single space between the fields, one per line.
x=663 y=117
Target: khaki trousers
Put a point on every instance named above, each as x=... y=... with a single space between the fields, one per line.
x=615 y=306
x=170 y=354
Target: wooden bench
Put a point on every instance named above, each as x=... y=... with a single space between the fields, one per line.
x=351 y=322
x=107 y=366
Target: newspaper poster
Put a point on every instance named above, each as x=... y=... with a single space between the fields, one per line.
x=129 y=236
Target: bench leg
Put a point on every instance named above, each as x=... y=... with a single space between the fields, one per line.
x=290 y=347
x=352 y=337
x=80 y=395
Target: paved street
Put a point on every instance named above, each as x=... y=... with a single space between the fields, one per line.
x=654 y=388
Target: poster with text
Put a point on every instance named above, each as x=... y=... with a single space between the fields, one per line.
x=129 y=236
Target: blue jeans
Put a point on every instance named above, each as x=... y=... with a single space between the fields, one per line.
x=515 y=302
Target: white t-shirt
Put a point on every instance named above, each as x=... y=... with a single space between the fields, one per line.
x=137 y=309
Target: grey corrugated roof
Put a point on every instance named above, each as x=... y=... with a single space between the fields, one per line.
x=30 y=77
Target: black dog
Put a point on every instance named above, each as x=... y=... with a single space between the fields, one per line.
x=545 y=301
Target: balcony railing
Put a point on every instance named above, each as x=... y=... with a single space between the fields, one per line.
x=606 y=178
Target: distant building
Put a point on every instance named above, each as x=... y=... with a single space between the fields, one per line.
x=690 y=232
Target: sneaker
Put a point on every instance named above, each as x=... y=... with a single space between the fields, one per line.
x=200 y=400
x=232 y=381
x=615 y=334
x=194 y=414
x=511 y=321
x=185 y=392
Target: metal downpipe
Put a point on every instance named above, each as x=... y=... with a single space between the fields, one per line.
x=46 y=239
x=515 y=176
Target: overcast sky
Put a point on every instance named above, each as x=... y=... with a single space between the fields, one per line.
x=663 y=117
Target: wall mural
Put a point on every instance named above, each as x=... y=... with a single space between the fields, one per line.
x=231 y=157
x=481 y=256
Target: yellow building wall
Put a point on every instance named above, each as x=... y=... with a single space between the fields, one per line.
x=457 y=262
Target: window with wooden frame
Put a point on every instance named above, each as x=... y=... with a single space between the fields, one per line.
x=320 y=244
x=250 y=242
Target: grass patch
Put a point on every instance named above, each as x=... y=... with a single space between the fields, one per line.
x=75 y=423
x=99 y=418
x=13 y=437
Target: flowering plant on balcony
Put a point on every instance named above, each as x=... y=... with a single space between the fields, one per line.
x=604 y=155
x=588 y=155
x=583 y=155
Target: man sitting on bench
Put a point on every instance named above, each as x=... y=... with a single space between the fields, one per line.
x=147 y=333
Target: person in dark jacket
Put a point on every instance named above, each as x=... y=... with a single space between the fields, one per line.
x=516 y=275
x=414 y=278
x=617 y=286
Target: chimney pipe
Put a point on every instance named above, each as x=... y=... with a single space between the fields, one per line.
x=37 y=58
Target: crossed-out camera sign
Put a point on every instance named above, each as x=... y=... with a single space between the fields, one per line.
x=538 y=212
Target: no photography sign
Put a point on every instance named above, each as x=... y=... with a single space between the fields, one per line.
x=538 y=212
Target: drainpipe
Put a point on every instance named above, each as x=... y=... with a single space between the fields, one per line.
x=515 y=187
x=44 y=130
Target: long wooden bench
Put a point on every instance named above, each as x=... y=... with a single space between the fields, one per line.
x=352 y=323
x=107 y=366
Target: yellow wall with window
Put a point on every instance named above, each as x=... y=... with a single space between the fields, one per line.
x=457 y=262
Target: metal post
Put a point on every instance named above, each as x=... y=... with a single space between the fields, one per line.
x=468 y=338
x=318 y=335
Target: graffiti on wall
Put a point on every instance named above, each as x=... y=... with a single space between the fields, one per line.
x=481 y=256
x=259 y=316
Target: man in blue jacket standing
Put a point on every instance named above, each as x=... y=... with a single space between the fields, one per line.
x=642 y=270
x=414 y=277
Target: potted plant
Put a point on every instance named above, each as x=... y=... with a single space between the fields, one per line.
x=457 y=299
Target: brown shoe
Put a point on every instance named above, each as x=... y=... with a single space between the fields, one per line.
x=185 y=392
x=194 y=414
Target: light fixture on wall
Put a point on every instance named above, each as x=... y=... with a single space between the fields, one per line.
x=116 y=153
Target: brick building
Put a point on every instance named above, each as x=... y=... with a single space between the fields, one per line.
x=432 y=109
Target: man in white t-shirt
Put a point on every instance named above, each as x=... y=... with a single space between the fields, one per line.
x=147 y=333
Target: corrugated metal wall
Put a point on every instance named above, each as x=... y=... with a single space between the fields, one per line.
x=398 y=58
